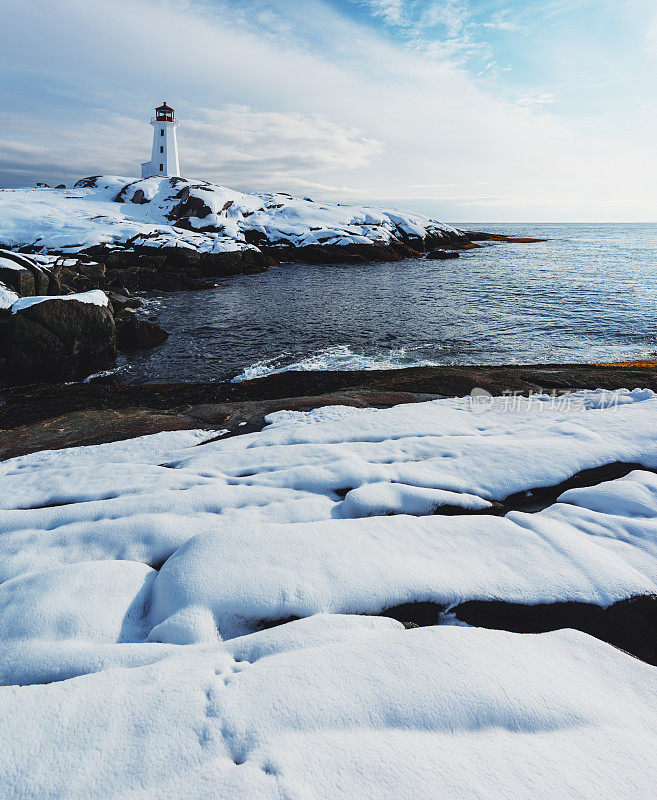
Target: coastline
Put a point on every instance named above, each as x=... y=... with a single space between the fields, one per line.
x=53 y=416
x=173 y=269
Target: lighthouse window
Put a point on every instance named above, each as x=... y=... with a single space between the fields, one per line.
x=161 y=148
x=161 y=131
x=161 y=167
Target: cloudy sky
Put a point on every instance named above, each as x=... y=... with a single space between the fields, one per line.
x=471 y=110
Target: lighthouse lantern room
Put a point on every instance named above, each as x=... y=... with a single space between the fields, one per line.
x=164 y=156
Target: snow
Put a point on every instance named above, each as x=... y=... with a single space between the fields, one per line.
x=143 y=450
x=373 y=711
x=101 y=601
x=560 y=554
x=106 y=210
x=95 y=297
x=632 y=497
x=7 y=297
x=381 y=498
x=7 y=263
x=138 y=578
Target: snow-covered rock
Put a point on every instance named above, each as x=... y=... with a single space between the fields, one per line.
x=194 y=215
x=27 y=275
x=136 y=577
x=16 y=277
x=55 y=338
x=522 y=558
x=100 y=601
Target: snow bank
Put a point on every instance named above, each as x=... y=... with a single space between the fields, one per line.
x=372 y=712
x=101 y=601
x=148 y=497
x=142 y=450
x=135 y=577
x=95 y=297
x=561 y=554
x=175 y=212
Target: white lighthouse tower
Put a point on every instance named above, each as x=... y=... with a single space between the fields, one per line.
x=164 y=157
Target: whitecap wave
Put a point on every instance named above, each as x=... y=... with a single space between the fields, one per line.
x=339 y=357
x=149 y=306
x=104 y=374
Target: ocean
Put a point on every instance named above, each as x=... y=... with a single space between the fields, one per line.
x=588 y=294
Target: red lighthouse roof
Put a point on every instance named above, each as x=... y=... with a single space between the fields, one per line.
x=164 y=113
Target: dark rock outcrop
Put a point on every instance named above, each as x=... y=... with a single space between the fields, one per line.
x=338 y=254
x=121 y=300
x=51 y=416
x=629 y=624
x=441 y=255
x=481 y=236
x=162 y=269
x=87 y=183
x=4 y=330
x=416 y=615
x=58 y=340
x=188 y=205
x=138 y=334
x=136 y=266
x=41 y=281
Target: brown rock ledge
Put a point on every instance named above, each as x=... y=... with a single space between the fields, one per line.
x=54 y=416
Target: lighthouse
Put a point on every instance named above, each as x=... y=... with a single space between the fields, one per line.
x=164 y=156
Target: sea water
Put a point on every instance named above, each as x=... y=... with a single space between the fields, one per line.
x=588 y=294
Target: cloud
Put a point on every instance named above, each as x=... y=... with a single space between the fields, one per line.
x=416 y=18
x=392 y=11
x=503 y=21
x=234 y=145
x=651 y=35
x=248 y=145
x=537 y=100
x=292 y=96
x=453 y=14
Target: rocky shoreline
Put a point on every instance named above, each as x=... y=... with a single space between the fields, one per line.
x=64 y=339
x=50 y=416
x=108 y=232
x=142 y=268
x=51 y=333
x=121 y=236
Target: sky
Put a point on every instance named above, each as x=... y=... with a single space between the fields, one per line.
x=469 y=110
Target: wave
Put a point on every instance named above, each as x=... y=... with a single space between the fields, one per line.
x=104 y=374
x=338 y=357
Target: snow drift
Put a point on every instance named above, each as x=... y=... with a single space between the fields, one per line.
x=137 y=581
